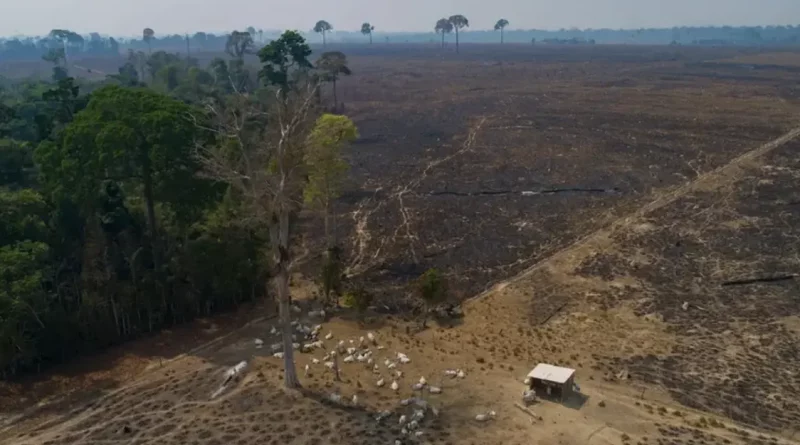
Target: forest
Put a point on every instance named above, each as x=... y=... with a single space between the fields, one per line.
x=164 y=193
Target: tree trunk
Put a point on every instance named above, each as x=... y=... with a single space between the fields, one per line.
x=370 y=38
x=456 y=40
x=279 y=236
x=324 y=43
x=334 y=238
x=442 y=40
x=327 y=223
x=147 y=178
x=501 y=36
x=335 y=99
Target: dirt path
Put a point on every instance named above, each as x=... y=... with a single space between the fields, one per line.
x=710 y=180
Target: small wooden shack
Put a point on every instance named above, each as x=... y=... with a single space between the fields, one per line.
x=552 y=382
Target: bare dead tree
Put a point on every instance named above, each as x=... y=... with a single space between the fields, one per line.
x=258 y=150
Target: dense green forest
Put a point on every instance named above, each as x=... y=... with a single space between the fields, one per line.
x=125 y=205
x=34 y=47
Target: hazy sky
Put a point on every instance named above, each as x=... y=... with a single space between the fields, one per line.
x=128 y=17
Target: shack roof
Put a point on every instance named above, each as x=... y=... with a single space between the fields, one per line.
x=551 y=373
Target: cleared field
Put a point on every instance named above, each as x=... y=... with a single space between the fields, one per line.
x=448 y=146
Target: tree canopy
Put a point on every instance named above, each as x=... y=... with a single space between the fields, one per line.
x=366 y=29
x=323 y=27
x=284 y=57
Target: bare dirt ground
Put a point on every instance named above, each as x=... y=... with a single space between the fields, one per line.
x=692 y=169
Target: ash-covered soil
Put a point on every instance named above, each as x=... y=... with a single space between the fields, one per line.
x=448 y=147
x=699 y=262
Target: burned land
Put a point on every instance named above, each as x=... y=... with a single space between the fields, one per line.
x=482 y=165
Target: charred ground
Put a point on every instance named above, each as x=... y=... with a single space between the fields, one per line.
x=448 y=146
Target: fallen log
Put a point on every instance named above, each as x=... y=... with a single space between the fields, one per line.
x=526 y=411
x=745 y=281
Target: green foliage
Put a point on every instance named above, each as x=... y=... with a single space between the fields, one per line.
x=16 y=164
x=358 y=299
x=81 y=266
x=331 y=276
x=323 y=27
x=323 y=158
x=443 y=26
x=366 y=29
x=458 y=21
x=333 y=64
x=22 y=298
x=239 y=44
x=284 y=57
x=22 y=216
x=501 y=24
x=431 y=287
x=132 y=135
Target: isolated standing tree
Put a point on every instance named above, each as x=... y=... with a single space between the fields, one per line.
x=326 y=170
x=443 y=26
x=432 y=290
x=147 y=36
x=67 y=38
x=260 y=154
x=367 y=29
x=282 y=57
x=332 y=64
x=238 y=44
x=325 y=166
x=57 y=57
x=501 y=26
x=322 y=27
x=458 y=21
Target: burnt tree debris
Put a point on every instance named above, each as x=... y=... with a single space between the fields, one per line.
x=774 y=279
x=545 y=191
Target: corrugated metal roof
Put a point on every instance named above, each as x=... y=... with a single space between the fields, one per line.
x=551 y=373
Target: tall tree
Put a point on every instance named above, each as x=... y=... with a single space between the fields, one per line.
x=68 y=39
x=239 y=44
x=326 y=167
x=443 y=26
x=260 y=154
x=458 y=21
x=432 y=289
x=332 y=64
x=323 y=27
x=501 y=26
x=133 y=136
x=367 y=29
x=283 y=59
x=57 y=57
x=147 y=36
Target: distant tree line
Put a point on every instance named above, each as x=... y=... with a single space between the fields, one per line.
x=94 y=44
x=32 y=48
